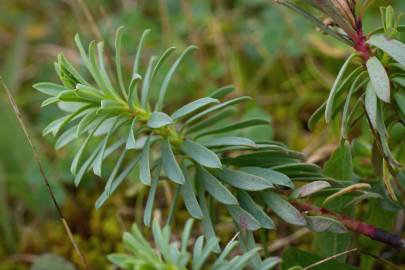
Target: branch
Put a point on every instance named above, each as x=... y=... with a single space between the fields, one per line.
x=355 y=226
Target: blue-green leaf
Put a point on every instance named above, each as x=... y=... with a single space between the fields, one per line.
x=245 y=220
x=168 y=77
x=242 y=179
x=223 y=91
x=236 y=126
x=283 y=208
x=170 y=165
x=118 y=42
x=131 y=141
x=247 y=203
x=50 y=89
x=159 y=119
x=394 y=48
x=144 y=164
x=379 y=78
x=331 y=99
x=139 y=53
x=230 y=141
x=215 y=188
x=193 y=106
x=370 y=101
x=200 y=154
x=270 y=175
x=189 y=197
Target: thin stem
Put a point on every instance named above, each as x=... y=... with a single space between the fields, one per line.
x=330 y=258
x=355 y=226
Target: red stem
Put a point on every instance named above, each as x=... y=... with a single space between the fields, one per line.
x=360 y=41
x=355 y=226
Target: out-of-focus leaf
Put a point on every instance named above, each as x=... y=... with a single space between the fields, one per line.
x=293 y=257
x=309 y=189
x=394 y=48
x=339 y=166
x=193 y=106
x=51 y=261
x=331 y=99
x=222 y=92
x=351 y=188
x=323 y=224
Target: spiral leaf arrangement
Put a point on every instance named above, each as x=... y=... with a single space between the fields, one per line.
x=370 y=85
x=193 y=154
x=143 y=256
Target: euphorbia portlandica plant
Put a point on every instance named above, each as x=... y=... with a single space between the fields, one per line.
x=206 y=169
x=370 y=84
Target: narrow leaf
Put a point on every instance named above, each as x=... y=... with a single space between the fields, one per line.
x=245 y=220
x=230 y=141
x=309 y=189
x=200 y=154
x=170 y=165
x=193 y=106
x=335 y=87
x=242 y=179
x=379 y=78
x=215 y=188
x=222 y=92
x=144 y=164
x=273 y=177
x=189 y=197
x=394 y=48
x=237 y=126
x=159 y=119
x=283 y=208
x=370 y=102
x=168 y=77
x=247 y=203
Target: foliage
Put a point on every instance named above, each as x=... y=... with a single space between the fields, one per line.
x=373 y=90
x=131 y=129
x=194 y=155
x=171 y=256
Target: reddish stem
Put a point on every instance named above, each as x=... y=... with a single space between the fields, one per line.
x=356 y=226
x=360 y=41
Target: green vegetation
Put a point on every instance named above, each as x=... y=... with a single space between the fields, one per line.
x=142 y=136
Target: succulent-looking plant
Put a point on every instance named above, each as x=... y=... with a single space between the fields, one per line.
x=207 y=164
x=172 y=256
x=192 y=153
x=374 y=89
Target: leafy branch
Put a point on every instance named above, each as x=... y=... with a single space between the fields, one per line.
x=370 y=84
x=172 y=257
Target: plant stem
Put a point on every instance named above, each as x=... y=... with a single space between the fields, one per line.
x=355 y=226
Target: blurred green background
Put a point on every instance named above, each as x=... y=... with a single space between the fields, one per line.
x=265 y=50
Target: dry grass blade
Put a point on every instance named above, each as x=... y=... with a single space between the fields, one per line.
x=330 y=258
x=42 y=171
